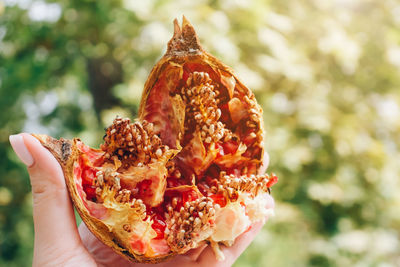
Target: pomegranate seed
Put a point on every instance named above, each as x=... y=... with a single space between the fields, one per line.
x=219 y=199
x=225 y=114
x=159 y=225
x=90 y=192
x=272 y=180
x=230 y=147
x=220 y=148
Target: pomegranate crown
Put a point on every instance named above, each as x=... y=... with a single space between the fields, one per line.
x=185 y=40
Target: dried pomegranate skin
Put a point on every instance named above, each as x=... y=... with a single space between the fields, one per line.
x=162 y=184
x=185 y=55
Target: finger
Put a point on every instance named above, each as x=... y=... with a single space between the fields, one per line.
x=54 y=220
x=208 y=258
x=195 y=253
x=264 y=164
x=102 y=254
x=241 y=243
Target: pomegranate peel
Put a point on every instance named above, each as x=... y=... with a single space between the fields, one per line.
x=183 y=171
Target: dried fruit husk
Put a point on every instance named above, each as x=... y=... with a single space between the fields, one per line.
x=197 y=118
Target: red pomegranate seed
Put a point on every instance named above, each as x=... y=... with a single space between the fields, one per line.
x=230 y=147
x=219 y=199
x=90 y=192
x=225 y=114
x=185 y=75
x=272 y=180
x=189 y=196
x=159 y=226
x=88 y=176
x=220 y=150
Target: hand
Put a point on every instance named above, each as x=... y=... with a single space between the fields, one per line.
x=58 y=242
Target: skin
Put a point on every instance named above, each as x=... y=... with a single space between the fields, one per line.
x=58 y=240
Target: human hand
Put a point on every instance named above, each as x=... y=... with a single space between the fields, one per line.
x=58 y=242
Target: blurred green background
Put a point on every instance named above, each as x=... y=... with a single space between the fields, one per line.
x=327 y=74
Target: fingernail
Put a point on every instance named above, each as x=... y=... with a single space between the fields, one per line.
x=17 y=143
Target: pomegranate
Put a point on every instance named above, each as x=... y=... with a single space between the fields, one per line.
x=185 y=171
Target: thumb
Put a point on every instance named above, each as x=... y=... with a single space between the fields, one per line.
x=54 y=221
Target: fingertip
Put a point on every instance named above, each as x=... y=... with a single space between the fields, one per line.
x=35 y=148
x=46 y=174
x=20 y=149
x=43 y=159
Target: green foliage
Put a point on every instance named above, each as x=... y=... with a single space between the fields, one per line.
x=326 y=73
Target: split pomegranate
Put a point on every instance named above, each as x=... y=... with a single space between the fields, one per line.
x=185 y=171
